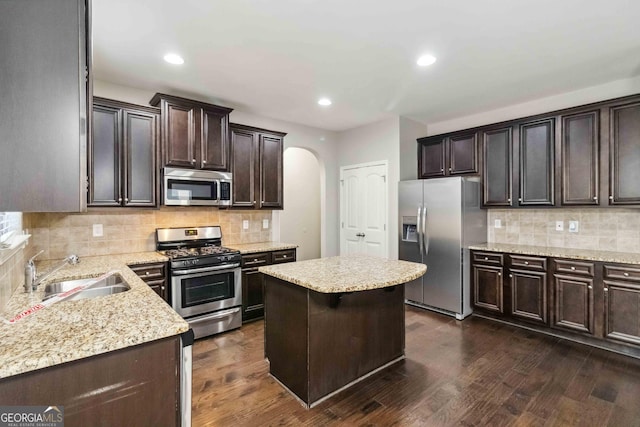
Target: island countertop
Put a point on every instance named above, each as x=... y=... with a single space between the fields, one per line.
x=72 y=330
x=347 y=273
x=251 y=248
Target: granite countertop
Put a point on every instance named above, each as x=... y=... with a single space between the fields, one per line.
x=71 y=330
x=548 y=251
x=346 y=273
x=251 y=248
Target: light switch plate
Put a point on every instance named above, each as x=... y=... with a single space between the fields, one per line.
x=265 y=223
x=559 y=225
x=573 y=226
x=245 y=224
x=497 y=223
x=97 y=230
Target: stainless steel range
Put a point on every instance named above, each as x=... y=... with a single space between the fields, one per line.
x=206 y=286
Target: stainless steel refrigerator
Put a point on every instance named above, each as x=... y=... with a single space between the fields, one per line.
x=439 y=219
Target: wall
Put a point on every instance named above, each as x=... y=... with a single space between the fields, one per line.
x=410 y=131
x=374 y=142
x=301 y=196
x=320 y=142
x=587 y=95
x=603 y=229
x=125 y=231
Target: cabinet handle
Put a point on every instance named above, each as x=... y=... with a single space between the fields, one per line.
x=126 y=200
x=590 y=287
x=146 y=273
x=204 y=162
x=510 y=276
x=595 y=198
x=162 y=287
x=509 y=200
x=486 y=258
x=255 y=260
x=193 y=161
x=284 y=256
x=519 y=199
x=606 y=289
x=526 y=263
x=625 y=274
x=253 y=203
x=119 y=199
x=449 y=169
x=610 y=197
x=499 y=274
x=573 y=269
x=441 y=170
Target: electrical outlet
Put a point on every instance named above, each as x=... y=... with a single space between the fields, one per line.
x=573 y=226
x=497 y=223
x=245 y=224
x=265 y=223
x=559 y=225
x=97 y=230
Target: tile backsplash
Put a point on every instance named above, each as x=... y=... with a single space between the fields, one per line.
x=601 y=229
x=125 y=231
x=11 y=275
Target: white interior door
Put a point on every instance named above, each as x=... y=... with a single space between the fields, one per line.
x=364 y=207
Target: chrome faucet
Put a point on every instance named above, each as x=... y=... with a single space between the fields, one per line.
x=31 y=279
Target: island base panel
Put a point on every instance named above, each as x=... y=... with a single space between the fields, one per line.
x=317 y=343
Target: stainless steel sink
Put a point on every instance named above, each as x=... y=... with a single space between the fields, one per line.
x=113 y=284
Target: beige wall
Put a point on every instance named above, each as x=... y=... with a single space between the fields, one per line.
x=599 y=228
x=125 y=230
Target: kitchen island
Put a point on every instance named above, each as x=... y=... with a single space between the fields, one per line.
x=332 y=322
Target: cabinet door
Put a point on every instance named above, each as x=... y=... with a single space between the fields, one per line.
x=215 y=141
x=536 y=163
x=252 y=294
x=243 y=167
x=625 y=155
x=431 y=156
x=104 y=157
x=622 y=311
x=270 y=171
x=528 y=295
x=180 y=123
x=573 y=303
x=579 y=151
x=159 y=287
x=496 y=174
x=487 y=288
x=463 y=151
x=139 y=144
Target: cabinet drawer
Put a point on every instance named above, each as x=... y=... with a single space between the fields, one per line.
x=288 y=255
x=533 y=263
x=574 y=267
x=256 y=260
x=621 y=272
x=149 y=271
x=488 y=258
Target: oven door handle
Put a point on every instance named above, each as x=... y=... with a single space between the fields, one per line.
x=204 y=270
x=223 y=313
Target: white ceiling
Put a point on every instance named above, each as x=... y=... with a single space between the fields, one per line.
x=277 y=57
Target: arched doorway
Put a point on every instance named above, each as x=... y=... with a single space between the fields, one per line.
x=300 y=221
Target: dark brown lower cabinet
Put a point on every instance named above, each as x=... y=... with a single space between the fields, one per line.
x=573 y=303
x=253 y=280
x=591 y=302
x=154 y=275
x=528 y=295
x=622 y=311
x=135 y=386
x=487 y=288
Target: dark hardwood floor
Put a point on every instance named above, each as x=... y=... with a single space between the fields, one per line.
x=471 y=373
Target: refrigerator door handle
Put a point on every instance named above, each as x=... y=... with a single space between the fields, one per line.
x=425 y=231
x=418 y=229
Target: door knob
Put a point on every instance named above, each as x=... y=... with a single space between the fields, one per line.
x=360 y=234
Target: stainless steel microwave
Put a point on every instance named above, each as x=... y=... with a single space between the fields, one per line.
x=187 y=187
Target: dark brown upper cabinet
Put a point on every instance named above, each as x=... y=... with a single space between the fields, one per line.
x=256 y=164
x=195 y=135
x=536 y=163
x=455 y=154
x=122 y=154
x=579 y=151
x=497 y=171
x=624 y=148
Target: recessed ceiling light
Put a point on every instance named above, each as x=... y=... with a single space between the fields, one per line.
x=426 y=60
x=324 y=101
x=173 y=58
